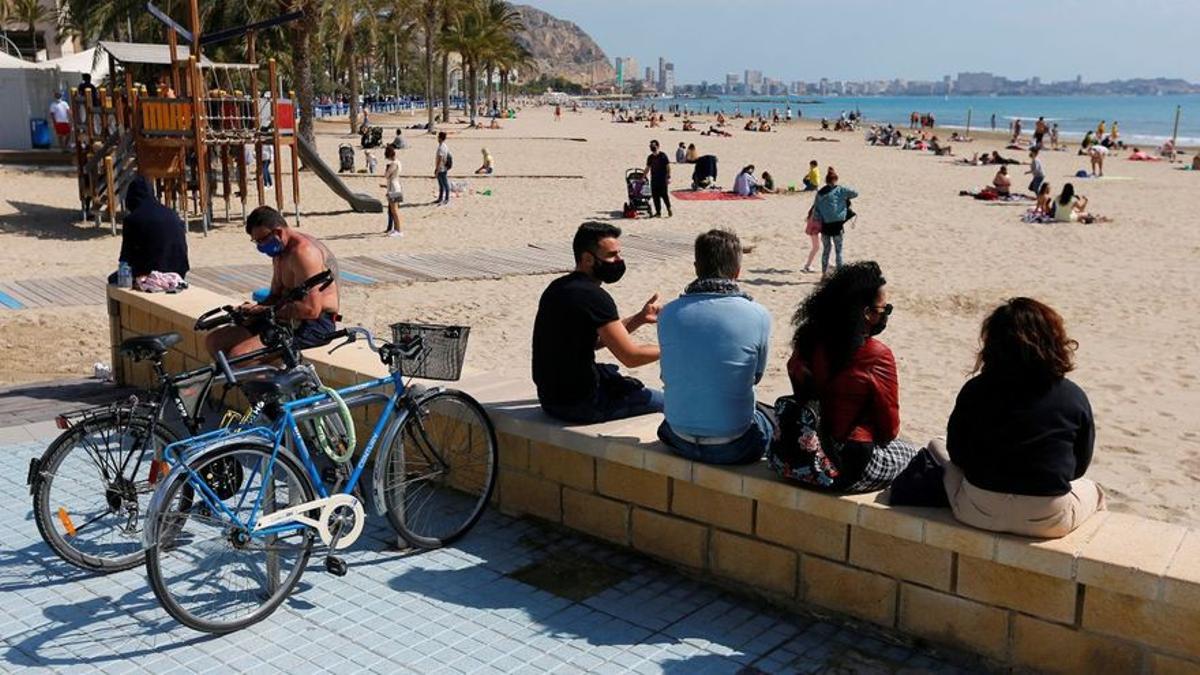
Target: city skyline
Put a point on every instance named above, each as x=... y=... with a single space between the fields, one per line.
x=863 y=40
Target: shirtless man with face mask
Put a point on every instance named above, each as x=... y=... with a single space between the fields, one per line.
x=295 y=258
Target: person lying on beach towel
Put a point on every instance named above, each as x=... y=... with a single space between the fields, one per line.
x=821 y=139
x=713 y=131
x=1139 y=156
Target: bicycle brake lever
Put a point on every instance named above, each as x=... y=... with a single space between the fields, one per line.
x=349 y=339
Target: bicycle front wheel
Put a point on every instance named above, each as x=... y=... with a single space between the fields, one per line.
x=207 y=570
x=441 y=470
x=92 y=487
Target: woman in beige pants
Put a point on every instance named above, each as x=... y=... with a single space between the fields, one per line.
x=1021 y=434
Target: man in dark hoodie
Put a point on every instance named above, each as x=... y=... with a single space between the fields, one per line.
x=153 y=238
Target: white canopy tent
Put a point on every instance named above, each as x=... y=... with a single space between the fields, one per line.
x=74 y=65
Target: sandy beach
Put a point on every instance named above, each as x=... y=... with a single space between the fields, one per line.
x=1126 y=288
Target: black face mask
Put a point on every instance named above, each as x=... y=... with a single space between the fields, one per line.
x=879 y=327
x=609 y=272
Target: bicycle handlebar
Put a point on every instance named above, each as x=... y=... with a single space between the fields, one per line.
x=228 y=314
x=386 y=351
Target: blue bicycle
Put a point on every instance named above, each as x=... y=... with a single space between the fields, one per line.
x=230 y=530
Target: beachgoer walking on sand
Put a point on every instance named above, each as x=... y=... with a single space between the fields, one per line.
x=441 y=169
x=1100 y=130
x=681 y=153
x=1016 y=130
x=993 y=121
x=812 y=228
x=832 y=206
x=557 y=113
x=1097 y=153
x=60 y=115
x=658 y=168
x=268 y=155
x=1039 y=131
x=395 y=194
x=1054 y=136
x=1036 y=170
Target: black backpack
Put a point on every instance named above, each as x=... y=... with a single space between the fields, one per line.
x=449 y=162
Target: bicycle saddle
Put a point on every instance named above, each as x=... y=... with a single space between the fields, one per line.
x=285 y=384
x=145 y=346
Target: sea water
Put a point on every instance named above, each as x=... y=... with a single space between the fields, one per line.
x=1143 y=119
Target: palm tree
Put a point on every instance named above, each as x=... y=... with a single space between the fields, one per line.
x=350 y=21
x=430 y=20
x=31 y=13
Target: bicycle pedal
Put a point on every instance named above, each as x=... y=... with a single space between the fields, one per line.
x=335 y=566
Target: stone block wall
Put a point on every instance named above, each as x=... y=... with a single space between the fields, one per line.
x=1121 y=594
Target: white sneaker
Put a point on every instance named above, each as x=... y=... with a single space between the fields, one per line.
x=395 y=233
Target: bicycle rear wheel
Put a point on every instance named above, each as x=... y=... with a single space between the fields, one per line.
x=92 y=486
x=208 y=572
x=441 y=470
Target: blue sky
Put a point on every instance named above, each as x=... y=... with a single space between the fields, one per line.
x=911 y=39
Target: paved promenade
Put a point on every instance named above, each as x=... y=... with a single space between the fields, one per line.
x=511 y=597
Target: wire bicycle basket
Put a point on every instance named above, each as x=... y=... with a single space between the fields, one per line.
x=443 y=349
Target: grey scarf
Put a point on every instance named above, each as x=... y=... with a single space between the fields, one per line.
x=715 y=286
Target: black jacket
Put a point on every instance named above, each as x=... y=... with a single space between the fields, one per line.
x=153 y=238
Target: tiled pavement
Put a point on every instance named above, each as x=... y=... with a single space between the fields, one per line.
x=467 y=608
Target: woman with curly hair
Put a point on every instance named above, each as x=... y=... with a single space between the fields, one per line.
x=1021 y=434
x=848 y=439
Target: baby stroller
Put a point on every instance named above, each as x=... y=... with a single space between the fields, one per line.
x=637 y=187
x=345 y=158
x=371 y=137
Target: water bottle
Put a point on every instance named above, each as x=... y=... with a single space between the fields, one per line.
x=124 y=275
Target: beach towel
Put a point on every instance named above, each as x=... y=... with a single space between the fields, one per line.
x=1033 y=216
x=709 y=196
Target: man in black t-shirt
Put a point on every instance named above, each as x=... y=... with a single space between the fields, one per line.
x=575 y=318
x=658 y=167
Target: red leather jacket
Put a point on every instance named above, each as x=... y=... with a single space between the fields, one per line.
x=861 y=402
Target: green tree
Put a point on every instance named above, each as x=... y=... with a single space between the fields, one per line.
x=30 y=13
x=350 y=24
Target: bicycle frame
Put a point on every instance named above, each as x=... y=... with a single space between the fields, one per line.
x=286 y=426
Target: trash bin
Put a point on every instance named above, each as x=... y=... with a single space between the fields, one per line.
x=39 y=133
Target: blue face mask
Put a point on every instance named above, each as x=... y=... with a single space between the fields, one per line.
x=271 y=247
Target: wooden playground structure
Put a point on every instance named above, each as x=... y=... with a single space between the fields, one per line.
x=189 y=132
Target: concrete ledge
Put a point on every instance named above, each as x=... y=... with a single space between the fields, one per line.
x=1120 y=594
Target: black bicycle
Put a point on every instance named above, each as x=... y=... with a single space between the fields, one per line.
x=91 y=486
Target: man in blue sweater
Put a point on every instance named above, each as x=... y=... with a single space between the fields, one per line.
x=714 y=341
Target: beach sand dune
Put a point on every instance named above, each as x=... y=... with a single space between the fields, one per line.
x=1127 y=289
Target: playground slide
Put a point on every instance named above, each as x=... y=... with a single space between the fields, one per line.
x=361 y=203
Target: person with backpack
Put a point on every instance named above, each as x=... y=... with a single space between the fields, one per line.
x=443 y=162
x=832 y=208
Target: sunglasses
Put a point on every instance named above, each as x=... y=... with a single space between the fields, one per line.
x=885 y=309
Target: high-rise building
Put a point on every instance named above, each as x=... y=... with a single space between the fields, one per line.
x=649 y=79
x=732 y=81
x=975 y=83
x=754 y=81
x=627 y=69
x=667 y=84
x=823 y=87
x=662 y=72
